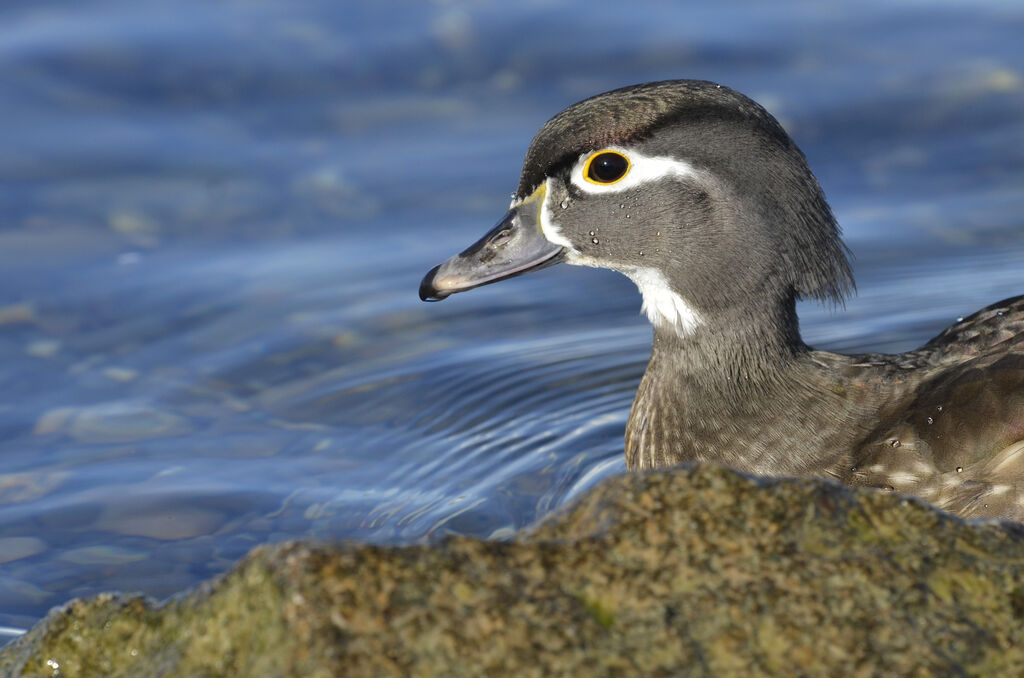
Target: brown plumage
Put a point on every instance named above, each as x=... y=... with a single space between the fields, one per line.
x=944 y=422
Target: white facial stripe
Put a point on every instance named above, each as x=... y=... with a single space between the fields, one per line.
x=642 y=169
x=548 y=226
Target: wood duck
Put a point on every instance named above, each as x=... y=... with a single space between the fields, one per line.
x=698 y=195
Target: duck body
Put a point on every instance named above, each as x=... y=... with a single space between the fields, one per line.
x=697 y=194
x=944 y=422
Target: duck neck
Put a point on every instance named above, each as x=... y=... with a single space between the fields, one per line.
x=737 y=353
x=706 y=396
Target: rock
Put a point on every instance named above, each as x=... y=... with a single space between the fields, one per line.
x=699 y=570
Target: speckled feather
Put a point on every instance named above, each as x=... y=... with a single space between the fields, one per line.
x=955 y=433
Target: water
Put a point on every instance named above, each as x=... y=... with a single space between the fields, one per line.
x=216 y=216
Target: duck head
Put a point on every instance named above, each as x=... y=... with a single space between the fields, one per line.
x=690 y=189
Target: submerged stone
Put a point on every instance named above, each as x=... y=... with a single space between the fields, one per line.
x=119 y=422
x=699 y=570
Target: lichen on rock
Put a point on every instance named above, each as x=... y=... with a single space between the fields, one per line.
x=699 y=570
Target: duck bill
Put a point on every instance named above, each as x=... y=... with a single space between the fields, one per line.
x=514 y=247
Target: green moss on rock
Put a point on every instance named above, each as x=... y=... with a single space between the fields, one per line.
x=699 y=569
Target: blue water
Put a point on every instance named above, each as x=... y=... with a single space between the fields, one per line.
x=214 y=218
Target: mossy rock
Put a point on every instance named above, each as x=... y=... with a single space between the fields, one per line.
x=695 y=571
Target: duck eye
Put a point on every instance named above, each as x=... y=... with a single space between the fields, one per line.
x=606 y=167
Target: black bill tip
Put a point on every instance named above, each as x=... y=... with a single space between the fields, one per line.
x=428 y=292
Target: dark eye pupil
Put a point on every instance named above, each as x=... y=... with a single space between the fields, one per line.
x=607 y=167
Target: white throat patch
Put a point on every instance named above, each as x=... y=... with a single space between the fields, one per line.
x=661 y=304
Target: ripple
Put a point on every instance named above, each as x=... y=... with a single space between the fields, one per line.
x=482 y=440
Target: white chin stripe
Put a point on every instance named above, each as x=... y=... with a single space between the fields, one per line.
x=663 y=306
x=642 y=169
x=548 y=226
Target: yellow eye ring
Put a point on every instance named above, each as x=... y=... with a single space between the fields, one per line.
x=605 y=168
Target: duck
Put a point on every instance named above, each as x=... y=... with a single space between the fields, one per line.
x=698 y=195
